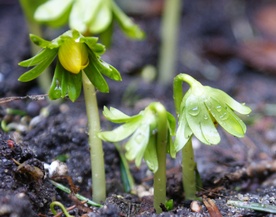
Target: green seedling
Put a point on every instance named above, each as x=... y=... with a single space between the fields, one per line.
x=61 y=206
x=78 y=65
x=150 y=137
x=199 y=111
x=88 y=17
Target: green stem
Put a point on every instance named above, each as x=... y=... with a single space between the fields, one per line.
x=56 y=203
x=169 y=34
x=189 y=171
x=160 y=175
x=80 y=197
x=178 y=91
x=96 y=149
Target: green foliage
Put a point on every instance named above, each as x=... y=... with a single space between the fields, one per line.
x=143 y=129
x=169 y=205
x=201 y=108
x=65 y=82
x=87 y=16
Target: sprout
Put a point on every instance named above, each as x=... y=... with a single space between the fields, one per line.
x=199 y=112
x=150 y=134
x=76 y=53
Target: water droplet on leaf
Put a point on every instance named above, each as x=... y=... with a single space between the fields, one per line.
x=218 y=108
x=194 y=111
x=224 y=116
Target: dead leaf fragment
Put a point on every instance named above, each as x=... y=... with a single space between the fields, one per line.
x=211 y=207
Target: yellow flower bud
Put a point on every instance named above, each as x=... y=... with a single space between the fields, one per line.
x=73 y=56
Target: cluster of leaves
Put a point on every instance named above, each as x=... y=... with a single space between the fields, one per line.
x=67 y=80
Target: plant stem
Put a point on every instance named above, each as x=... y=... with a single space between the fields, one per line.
x=160 y=175
x=96 y=149
x=169 y=34
x=189 y=171
x=80 y=197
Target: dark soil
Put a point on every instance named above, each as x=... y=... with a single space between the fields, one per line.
x=210 y=38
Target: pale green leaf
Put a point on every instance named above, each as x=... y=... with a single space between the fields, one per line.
x=120 y=133
x=137 y=144
x=223 y=97
x=150 y=155
x=116 y=116
x=54 y=10
x=200 y=122
x=102 y=18
x=226 y=118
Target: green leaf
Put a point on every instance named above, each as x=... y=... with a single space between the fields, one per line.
x=171 y=123
x=102 y=18
x=38 y=69
x=183 y=134
x=95 y=77
x=55 y=91
x=105 y=68
x=41 y=42
x=74 y=86
x=55 y=12
x=43 y=55
x=200 y=121
x=128 y=26
x=116 y=116
x=226 y=118
x=232 y=103
x=29 y=8
x=150 y=155
x=137 y=144
x=120 y=133
x=91 y=42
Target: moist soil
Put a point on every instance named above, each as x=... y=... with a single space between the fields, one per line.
x=211 y=46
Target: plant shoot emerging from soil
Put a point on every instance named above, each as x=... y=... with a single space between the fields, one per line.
x=199 y=111
x=78 y=64
x=150 y=132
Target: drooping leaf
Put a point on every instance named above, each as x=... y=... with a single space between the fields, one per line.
x=42 y=42
x=82 y=13
x=137 y=144
x=55 y=12
x=38 y=69
x=128 y=26
x=74 y=86
x=120 y=133
x=226 y=118
x=200 y=122
x=232 y=103
x=90 y=41
x=55 y=88
x=150 y=155
x=102 y=18
x=116 y=116
x=95 y=77
x=43 y=55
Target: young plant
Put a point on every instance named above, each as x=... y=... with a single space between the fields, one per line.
x=150 y=132
x=199 y=111
x=78 y=64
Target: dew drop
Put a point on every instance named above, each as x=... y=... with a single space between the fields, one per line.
x=194 y=111
x=139 y=138
x=218 y=108
x=224 y=116
x=205 y=117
